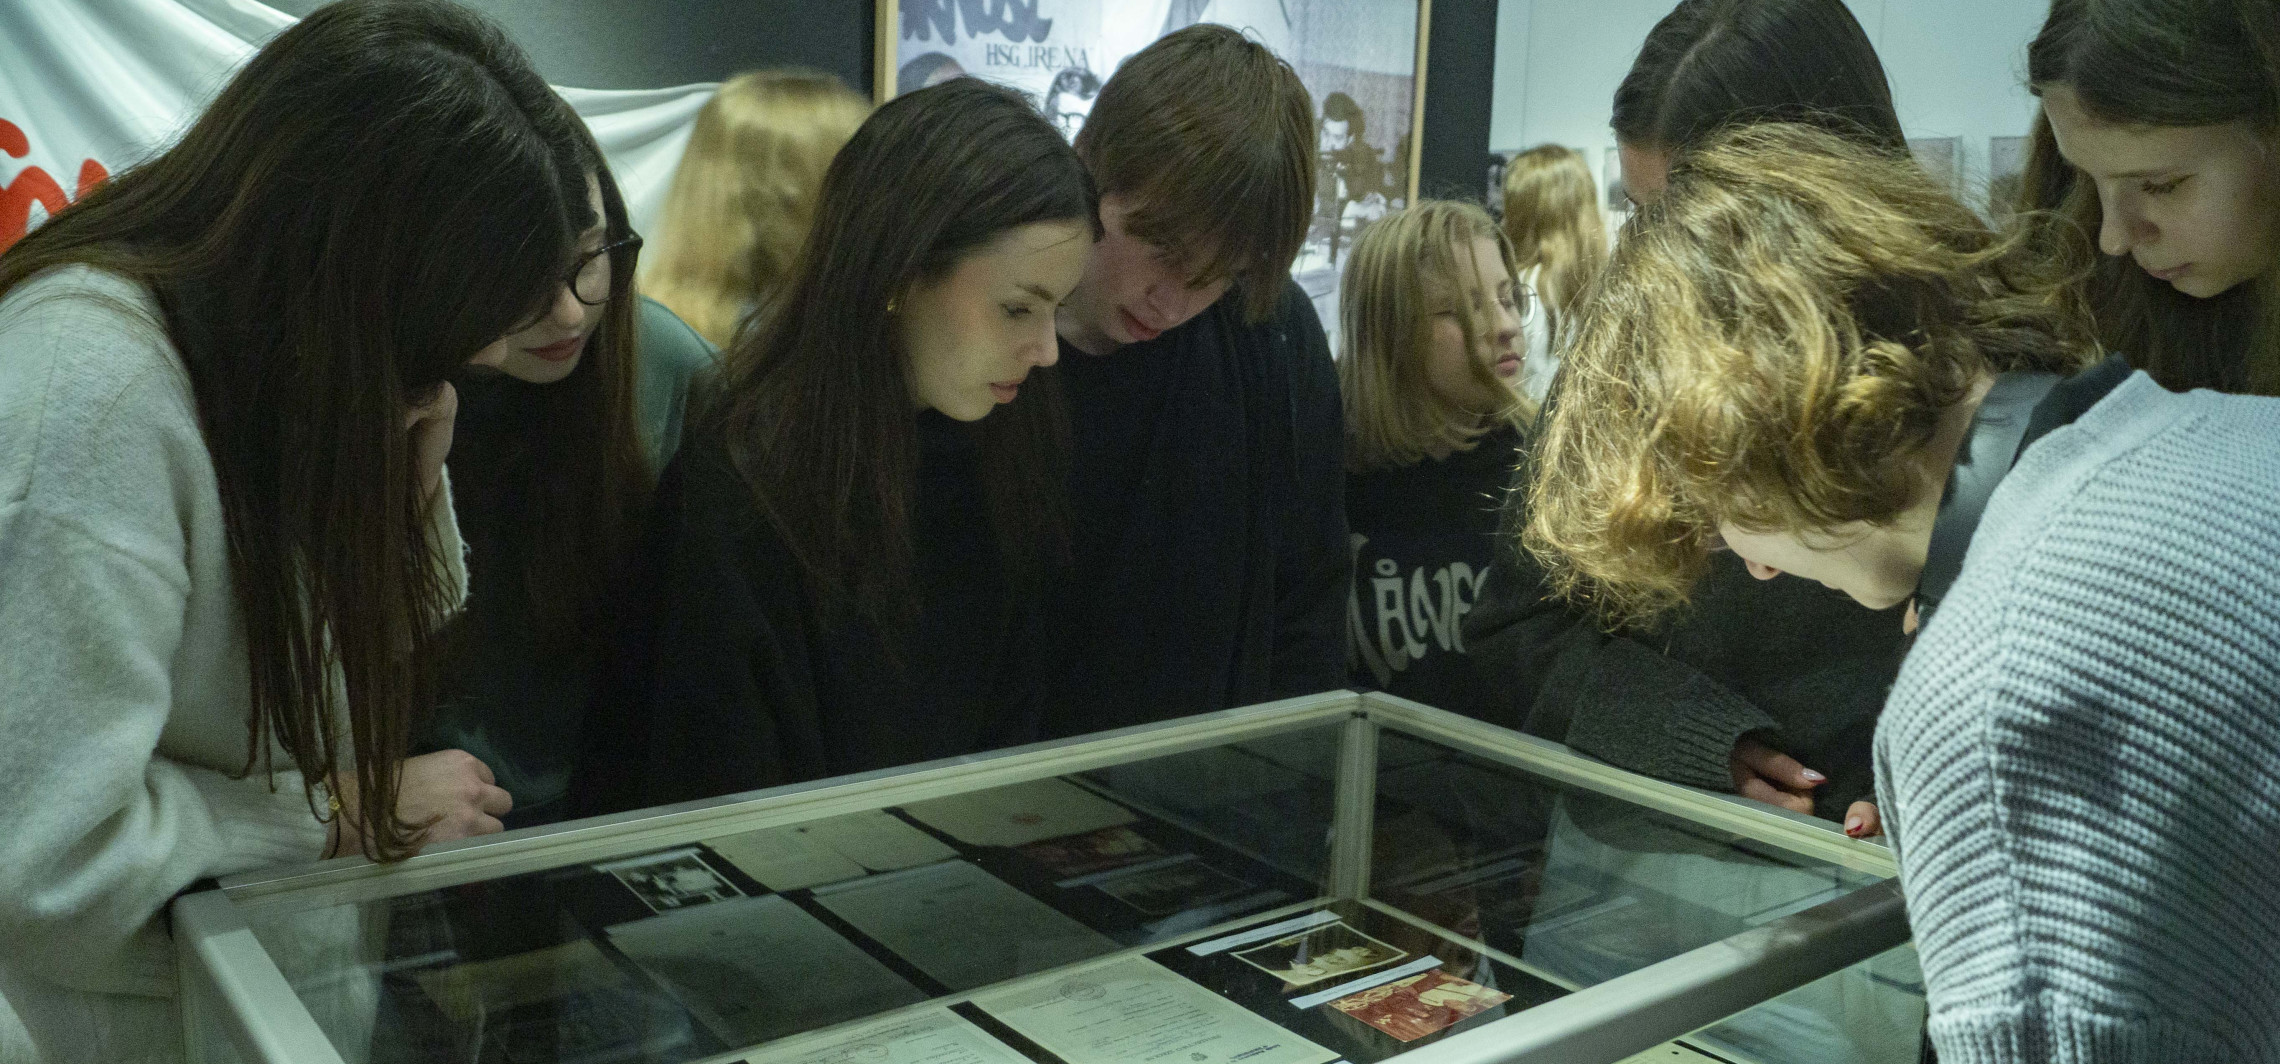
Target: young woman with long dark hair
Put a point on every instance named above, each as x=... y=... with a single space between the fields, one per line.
x=225 y=538
x=870 y=496
x=2154 y=167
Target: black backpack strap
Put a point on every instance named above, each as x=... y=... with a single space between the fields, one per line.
x=2020 y=409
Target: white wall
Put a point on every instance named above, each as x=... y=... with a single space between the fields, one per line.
x=1958 y=69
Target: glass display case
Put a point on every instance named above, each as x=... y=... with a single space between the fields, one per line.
x=1340 y=878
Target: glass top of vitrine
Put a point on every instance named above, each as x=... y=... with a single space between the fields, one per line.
x=1347 y=878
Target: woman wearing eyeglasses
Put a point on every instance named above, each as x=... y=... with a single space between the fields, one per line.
x=558 y=446
x=1431 y=317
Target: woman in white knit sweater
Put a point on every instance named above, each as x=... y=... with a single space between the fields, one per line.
x=1809 y=354
x=225 y=533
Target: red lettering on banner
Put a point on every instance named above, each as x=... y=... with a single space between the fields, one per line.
x=91 y=174
x=33 y=185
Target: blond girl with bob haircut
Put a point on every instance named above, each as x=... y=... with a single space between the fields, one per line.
x=744 y=194
x=1808 y=354
x=1559 y=241
x=1430 y=315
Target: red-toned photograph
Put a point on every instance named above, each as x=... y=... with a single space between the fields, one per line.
x=1410 y=1009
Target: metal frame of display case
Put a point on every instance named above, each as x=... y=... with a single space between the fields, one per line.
x=234 y=994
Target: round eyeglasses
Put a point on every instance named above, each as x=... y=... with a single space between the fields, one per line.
x=603 y=270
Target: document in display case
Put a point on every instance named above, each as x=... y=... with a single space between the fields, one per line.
x=962 y=926
x=755 y=969
x=1133 y=1009
x=1345 y=877
x=936 y=1036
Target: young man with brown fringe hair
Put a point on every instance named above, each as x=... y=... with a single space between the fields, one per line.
x=1210 y=556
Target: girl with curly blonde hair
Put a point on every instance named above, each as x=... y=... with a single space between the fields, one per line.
x=1767 y=690
x=1808 y=354
x=1784 y=391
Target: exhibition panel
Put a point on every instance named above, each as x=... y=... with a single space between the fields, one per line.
x=1337 y=878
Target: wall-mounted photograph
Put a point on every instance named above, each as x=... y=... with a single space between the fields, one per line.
x=1362 y=61
x=2006 y=169
x=1941 y=157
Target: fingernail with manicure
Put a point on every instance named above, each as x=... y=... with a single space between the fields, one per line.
x=1815 y=776
x=1852 y=825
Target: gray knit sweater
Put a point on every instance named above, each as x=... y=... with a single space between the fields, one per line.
x=2080 y=764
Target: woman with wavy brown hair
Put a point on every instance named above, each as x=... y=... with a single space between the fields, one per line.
x=1808 y=354
x=226 y=540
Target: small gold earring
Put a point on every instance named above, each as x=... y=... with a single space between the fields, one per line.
x=892 y=304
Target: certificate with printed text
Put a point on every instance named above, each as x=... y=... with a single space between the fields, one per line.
x=961 y=925
x=830 y=851
x=1135 y=1011
x=753 y=969
x=1019 y=814
x=934 y=1037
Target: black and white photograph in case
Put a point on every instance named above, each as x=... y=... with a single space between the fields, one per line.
x=673 y=880
x=1357 y=58
x=1320 y=953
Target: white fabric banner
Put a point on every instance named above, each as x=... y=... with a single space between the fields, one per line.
x=88 y=87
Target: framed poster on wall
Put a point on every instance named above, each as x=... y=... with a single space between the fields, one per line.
x=1363 y=61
